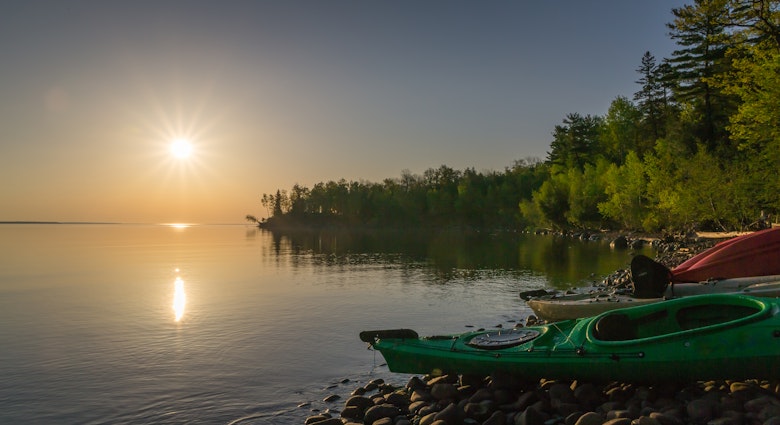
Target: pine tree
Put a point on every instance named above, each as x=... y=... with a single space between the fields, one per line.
x=700 y=32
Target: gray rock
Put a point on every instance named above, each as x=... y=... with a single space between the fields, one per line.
x=728 y=420
x=530 y=416
x=588 y=396
x=415 y=383
x=566 y=409
x=359 y=401
x=620 y=242
x=426 y=410
x=671 y=417
x=616 y=414
x=316 y=418
x=481 y=394
x=561 y=393
x=618 y=421
x=449 y=414
x=590 y=418
x=701 y=411
x=397 y=399
x=772 y=421
x=421 y=394
x=417 y=405
x=444 y=391
x=378 y=412
x=645 y=420
x=497 y=418
x=427 y=419
x=329 y=421
x=479 y=411
x=352 y=412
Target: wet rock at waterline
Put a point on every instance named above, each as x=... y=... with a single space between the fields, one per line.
x=503 y=400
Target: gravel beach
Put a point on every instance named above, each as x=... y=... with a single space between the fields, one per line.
x=503 y=400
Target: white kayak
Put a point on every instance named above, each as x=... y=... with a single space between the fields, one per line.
x=555 y=307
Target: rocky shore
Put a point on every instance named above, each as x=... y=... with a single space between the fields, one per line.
x=499 y=400
x=503 y=400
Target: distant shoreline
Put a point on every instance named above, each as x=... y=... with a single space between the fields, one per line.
x=113 y=223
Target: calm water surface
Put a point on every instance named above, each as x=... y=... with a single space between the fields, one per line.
x=109 y=324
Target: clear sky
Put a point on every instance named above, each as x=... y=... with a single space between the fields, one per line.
x=273 y=93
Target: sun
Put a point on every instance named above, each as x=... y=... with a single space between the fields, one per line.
x=181 y=148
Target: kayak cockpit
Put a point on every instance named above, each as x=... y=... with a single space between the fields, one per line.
x=659 y=320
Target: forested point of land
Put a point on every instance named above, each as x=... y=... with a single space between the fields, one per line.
x=697 y=147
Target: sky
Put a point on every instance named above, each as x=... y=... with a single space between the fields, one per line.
x=275 y=93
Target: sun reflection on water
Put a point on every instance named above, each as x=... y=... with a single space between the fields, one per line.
x=179 y=298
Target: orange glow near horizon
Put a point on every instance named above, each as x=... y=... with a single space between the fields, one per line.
x=179 y=225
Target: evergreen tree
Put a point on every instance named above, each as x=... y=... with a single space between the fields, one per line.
x=651 y=97
x=576 y=142
x=700 y=32
x=760 y=17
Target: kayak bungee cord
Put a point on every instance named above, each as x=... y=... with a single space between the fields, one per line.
x=567 y=336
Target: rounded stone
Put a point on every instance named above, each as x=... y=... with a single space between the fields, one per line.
x=449 y=414
x=481 y=394
x=329 y=421
x=497 y=418
x=443 y=391
x=480 y=411
x=620 y=242
x=359 y=401
x=618 y=421
x=646 y=420
x=379 y=412
x=562 y=393
x=588 y=395
x=702 y=410
x=316 y=418
x=397 y=399
x=415 y=383
x=590 y=418
x=530 y=416
x=426 y=420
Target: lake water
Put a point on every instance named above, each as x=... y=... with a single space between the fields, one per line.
x=142 y=324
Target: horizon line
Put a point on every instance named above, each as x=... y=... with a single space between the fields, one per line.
x=50 y=222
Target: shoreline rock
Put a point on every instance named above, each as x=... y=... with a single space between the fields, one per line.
x=502 y=400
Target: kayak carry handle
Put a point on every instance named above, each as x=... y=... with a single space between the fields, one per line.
x=371 y=336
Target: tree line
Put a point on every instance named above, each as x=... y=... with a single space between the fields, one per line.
x=697 y=146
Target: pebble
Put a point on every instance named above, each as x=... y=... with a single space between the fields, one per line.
x=500 y=400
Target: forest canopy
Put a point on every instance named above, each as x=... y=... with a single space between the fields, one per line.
x=697 y=146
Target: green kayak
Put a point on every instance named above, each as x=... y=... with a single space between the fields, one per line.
x=702 y=337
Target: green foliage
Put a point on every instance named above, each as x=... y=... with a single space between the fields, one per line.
x=586 y=192
x=576 y=142
x=626 y=189
x=552 y=200
x=699 y=149
x=621 y=130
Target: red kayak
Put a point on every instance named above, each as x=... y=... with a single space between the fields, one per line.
x=754 y=254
